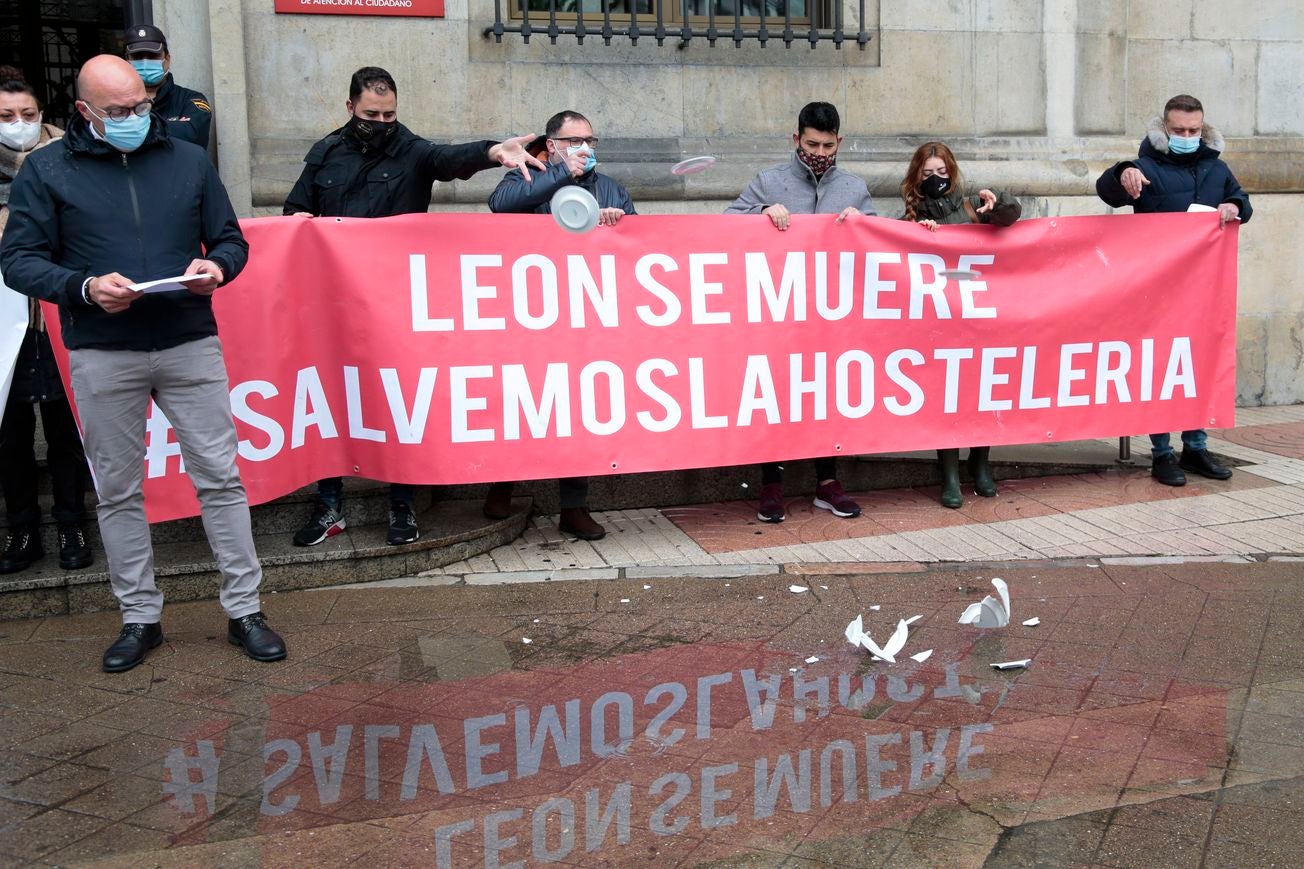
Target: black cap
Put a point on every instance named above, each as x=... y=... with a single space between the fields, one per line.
x=145 y=37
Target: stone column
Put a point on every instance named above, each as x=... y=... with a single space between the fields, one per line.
x=231 y=96
x=1060 y=19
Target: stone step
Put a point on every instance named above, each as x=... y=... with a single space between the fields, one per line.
x=185 y=570
x=366 y=501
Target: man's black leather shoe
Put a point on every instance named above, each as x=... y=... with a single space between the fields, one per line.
x=260 y=642
x=1200 y=462
x=131 y=646
x=1165 y=470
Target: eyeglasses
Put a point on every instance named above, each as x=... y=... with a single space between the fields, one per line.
x=117 y=113
x=576 y=141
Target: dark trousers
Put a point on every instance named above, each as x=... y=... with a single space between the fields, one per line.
x=825 y=469
x=573 y=492
x=331 y=490
x=64 y=457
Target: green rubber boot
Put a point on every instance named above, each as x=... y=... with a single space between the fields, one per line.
x=981 y=472
x=949 y=462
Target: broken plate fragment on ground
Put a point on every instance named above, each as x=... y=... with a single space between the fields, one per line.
x=989 y=612
x=1012 y=665
x=857 y=636
x=922 y=656
x=1032 y=623
x=797 y=589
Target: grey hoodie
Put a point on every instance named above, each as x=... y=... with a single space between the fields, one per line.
x=794 y=186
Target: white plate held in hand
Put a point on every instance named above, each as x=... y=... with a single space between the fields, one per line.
x=575 y=209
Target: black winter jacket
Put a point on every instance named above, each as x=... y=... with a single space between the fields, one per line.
x=1176 y=180
x=80 y=208
x=344 y=178
x=515 y=195
x=36 y=374
x=188 y=113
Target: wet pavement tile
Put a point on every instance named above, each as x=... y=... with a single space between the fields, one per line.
x=700 y=724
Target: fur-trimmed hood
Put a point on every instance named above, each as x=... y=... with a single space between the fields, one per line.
x=1157 y=135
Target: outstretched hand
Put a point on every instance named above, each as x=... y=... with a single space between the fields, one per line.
x=511 y=154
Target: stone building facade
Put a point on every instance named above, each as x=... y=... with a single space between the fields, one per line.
x=1036 y=97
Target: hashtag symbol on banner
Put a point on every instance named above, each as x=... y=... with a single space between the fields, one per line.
x=183 y=786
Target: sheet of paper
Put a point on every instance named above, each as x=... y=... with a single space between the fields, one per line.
x=167 y=285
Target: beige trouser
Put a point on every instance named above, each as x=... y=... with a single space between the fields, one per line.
x=113 y=389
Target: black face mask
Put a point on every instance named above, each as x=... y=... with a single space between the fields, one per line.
x=935 y=186
x=374 y=133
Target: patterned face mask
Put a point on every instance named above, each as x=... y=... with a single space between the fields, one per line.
x=817 y=163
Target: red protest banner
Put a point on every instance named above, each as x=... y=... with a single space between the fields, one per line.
x=471 y=348
x=410 y=8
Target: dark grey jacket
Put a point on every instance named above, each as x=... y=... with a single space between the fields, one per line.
x=795 y=187
x=515 y=195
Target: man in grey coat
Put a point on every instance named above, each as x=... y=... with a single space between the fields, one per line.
x=809 y=182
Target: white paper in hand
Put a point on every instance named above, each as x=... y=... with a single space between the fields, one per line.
x=167 y=285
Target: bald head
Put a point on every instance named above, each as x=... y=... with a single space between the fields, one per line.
x=107 y=82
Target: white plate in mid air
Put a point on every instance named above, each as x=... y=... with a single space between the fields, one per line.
x=575 y=209
x=693 y=165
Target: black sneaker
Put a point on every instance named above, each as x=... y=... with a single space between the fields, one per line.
x=22 y=549
x=1166 y=470
x=1200 y=462
x=74 y=551
x=326 y=521
x=402 y=525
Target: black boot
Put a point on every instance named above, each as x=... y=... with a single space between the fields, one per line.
x=22 y=549
x=74 y=551
x=949 y=462
x=981 y=472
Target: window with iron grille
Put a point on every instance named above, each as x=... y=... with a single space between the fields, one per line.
x=785 y=22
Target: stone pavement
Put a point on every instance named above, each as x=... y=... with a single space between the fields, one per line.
x=1259 y=513
x=689 y=698
x=678 y=722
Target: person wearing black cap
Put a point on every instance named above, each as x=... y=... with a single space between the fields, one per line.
x=569 y=144
x=188 y=113
x=373 y=166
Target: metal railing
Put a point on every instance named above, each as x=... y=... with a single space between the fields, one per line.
x=762 y=28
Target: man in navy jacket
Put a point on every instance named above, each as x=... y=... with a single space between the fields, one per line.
x=570 y=146
x=1178 y=166
x=114 y=203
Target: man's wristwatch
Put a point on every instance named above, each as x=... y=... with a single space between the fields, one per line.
x=86 y=290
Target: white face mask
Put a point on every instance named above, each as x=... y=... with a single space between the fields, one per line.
x=21 y=135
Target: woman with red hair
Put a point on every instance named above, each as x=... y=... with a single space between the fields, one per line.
x=934 y=194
